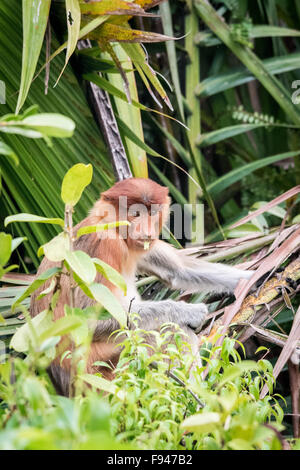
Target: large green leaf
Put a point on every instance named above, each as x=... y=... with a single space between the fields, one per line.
x=165 y=11
x=136 y=156
x=73 y=16
x=40 y=125
x=38 y=282
x=74 y=183
x=214 y=137
x=57 y=248
x=237 y=174
x=110 y=274
x=33 y=218
x=99 y=382
x=8 y=152
x=202 y=422
x=35 y=18
x=105 y=297
x=23 y=337
x=5 y=248
x=205 y=38
x=85 y=230
x=82 y=265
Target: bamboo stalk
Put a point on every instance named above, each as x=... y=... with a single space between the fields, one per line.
x=192 y=78
x=106 y=119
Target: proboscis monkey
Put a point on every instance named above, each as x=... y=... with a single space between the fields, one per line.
x=132 y=249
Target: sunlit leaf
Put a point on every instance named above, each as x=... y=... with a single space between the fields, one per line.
x=74 y=183
x=23 y=337
x=56 y=249
x=99 y=382
x=110 y=274
x=99 y=228
x=202 y=422
x=50 y=124
x=23 y=217
x=73 y=22
x=8 y=152
x=61 y=327
x=5 y=248
x=81 y=263
x=39 y=281
x=106 y=298
x=35 y=18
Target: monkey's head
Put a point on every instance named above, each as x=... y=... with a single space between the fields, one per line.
x=145 y=204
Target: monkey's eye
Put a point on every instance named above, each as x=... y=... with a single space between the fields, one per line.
x=134 y=213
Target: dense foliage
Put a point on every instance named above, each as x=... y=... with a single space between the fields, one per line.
x=225 y=133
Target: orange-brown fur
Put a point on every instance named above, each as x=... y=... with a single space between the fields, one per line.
x=122 y=254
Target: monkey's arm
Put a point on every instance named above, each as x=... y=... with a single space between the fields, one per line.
x=152 y=314
x=182 y=272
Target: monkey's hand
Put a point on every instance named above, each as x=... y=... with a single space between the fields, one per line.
x=195 y=316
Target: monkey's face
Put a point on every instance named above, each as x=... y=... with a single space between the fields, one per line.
x=145 y=225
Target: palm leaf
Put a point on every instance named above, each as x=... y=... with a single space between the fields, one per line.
x=35 y=18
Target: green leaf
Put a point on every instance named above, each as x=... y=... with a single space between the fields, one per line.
x=74 y=182
x=5 y=248
x=8 y=152
x=239 y=444
x=56 y=249
x=23 y=217
x=36 y=126
x=50 y=124
x=236 y=77
x=139 y=59
x=35 y=18
x=99 y=382
x=242 y=231
x=23 y=336
x=134 y=138
x=296 y=220
x=237 y=174
x=73 y=16
x=99 y=228
x=276 y=210
x=47 y=290
x=202 y=422
x=233 y=371
x=16 y=242
x=82 y=265
x=61 y=327
x=214 y=137
x=110 y=273
x=130 y=114
x=267 y=30
x=106 y=298
x=207 y=39
x=166 y=16
x=39 y=281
